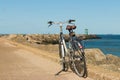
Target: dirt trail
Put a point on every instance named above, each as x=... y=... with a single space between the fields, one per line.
x=18 y=63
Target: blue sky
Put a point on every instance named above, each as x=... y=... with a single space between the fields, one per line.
x=31 y=16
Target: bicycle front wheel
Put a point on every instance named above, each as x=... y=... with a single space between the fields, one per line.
x=63 y=60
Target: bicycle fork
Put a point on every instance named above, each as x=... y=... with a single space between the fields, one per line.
x=62 y=50
x=63 y=54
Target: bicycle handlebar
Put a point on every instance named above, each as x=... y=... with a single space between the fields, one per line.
x=61 y=23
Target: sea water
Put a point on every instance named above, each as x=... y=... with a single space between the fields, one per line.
x=109 y=44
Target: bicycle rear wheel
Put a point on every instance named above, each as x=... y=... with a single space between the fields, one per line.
x=79 y=62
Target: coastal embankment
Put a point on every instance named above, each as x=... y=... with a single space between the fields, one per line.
x=100 y=66
x=44 y=38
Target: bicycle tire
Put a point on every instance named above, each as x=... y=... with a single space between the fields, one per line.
x=79 y=62
x=63 y=61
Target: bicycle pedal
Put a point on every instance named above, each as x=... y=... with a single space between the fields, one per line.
x=76 y=56
x=81 y=57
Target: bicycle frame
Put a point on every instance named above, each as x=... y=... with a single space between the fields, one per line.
x=75 y=39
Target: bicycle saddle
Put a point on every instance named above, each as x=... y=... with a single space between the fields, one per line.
x=70 y=27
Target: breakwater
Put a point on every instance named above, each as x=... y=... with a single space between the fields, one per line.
x=44 y=38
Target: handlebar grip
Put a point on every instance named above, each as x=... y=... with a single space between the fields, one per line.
x=50 y=23
x=71 y=21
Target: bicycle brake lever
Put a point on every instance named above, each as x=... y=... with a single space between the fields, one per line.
x=49 y=25
x=50 y=22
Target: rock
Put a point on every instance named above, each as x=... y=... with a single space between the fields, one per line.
x=96 y=54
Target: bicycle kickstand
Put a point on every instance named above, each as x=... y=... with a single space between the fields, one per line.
x=59 y=72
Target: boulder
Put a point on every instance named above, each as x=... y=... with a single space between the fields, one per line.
x=95 y=54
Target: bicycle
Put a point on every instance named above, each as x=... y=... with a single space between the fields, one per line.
x=72 y=56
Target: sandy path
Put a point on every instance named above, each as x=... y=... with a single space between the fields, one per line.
x=17 y=63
